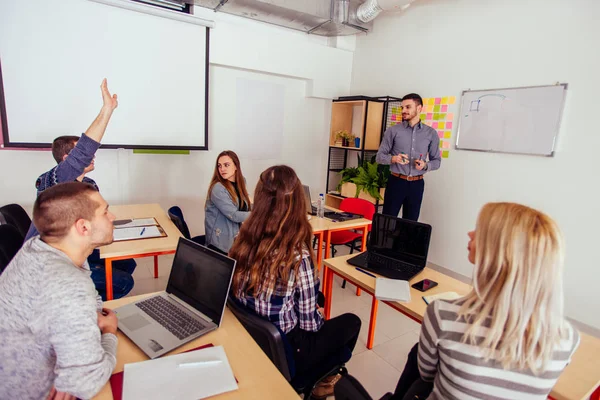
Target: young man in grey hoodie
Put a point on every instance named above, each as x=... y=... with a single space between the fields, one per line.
x=56 y=340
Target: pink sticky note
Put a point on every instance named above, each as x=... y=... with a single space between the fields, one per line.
x=449 y=116
x=448 y=125
x=429 y=116
x=440 y=134
x=393 y=117
x=444 y=108
x=434 y=125
x=446 y=144
x=438 y=100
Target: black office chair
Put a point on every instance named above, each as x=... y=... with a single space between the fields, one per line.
x=349 y=388
x=16 y=216
x=276 y=346
x=10 y=243
x=176 y=216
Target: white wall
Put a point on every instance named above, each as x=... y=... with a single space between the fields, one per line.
x=305 y=65
x=440 y=47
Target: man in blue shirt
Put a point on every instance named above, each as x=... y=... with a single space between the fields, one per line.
x=75 y=158
x=406 y=147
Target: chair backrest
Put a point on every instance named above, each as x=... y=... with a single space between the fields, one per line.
x=349 y=388
x=16 y=216
x=176 y=216
x=270 y=339
x=358 y=206
x=11 y=241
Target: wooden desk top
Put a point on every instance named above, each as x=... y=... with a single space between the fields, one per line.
x=324 y=224
x=578 y=380
x=133 y=247
x=257 y=376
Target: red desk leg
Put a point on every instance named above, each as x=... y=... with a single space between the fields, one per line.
x=109 y=284
x=155 y=267
x=372 y=322
x=328 y=277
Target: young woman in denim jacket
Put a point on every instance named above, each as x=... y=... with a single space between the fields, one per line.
x=227 y=202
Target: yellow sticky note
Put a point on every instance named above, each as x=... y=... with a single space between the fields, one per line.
x=441 y=125
x=431 y=101
x=445 y=153
x=442 y=144
x=447 y=135
x=444 y=100
x=451 y=99
x=422 y=116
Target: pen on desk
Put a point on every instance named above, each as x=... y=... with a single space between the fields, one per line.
x=198 y=364
x=142 y=232
x=365 y=272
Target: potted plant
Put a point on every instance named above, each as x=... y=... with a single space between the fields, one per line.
x=345 y=137
x=367 y=181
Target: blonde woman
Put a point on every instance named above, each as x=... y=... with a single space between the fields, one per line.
x=508 y=338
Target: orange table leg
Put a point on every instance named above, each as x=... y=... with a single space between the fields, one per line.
x=319 y=249
x=109 y=283
x=328 y=245
x=328 y=277
x=155 y=267
x=363 y=248
x=372 y=322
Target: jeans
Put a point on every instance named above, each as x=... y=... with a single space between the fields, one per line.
x=121 y=274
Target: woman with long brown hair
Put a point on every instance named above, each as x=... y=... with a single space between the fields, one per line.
x=275 y=277
x=227 y=202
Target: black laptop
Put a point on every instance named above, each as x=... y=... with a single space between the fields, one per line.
x=397 y=248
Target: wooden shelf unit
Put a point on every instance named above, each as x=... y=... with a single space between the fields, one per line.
x=365 y=118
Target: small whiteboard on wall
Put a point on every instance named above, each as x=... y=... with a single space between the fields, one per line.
x=519 y=120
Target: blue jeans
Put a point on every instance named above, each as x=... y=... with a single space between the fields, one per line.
x=121 y=275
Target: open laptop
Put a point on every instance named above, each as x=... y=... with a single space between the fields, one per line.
x=397 y=248
x=310 y=209
x=192 y=305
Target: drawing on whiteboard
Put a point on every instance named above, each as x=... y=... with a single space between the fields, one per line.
x=474 y=105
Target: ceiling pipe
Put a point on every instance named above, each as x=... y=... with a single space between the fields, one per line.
x=371 y=8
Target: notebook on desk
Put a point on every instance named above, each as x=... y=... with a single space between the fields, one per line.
x=397 y=248
x=192 y=305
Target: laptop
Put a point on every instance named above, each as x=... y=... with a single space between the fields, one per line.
x=192 y=305
x=397 y=248
x=310 y=209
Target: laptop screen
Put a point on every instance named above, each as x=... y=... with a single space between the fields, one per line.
x=201 y=277
x=307 y=199
x=400 y=239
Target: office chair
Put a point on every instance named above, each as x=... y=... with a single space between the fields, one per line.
x=275 y=345
x=16 y=216
x=349 y=388
x=11 y=241
x=176 y=216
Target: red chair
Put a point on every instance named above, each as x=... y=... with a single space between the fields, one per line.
x=349 y=237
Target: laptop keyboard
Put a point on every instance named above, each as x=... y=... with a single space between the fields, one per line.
x=393 y=265
x=178 y=322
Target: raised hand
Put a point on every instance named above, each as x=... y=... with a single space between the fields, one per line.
x=110 y=102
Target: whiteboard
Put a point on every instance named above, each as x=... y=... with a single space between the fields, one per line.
x=56 y=53
x=517 y=120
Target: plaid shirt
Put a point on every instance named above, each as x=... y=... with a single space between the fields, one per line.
x=291 y=302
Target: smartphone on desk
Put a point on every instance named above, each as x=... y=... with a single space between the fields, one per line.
x=424 y=285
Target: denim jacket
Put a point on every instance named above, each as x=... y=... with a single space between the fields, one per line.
x=223 y=218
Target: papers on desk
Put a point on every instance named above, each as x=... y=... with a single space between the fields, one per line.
x=131 y=223
x=143 y=232
x=442 y=296
x=194 y=375
x=392 y=290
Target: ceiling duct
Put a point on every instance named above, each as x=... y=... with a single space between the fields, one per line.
x=318 y=17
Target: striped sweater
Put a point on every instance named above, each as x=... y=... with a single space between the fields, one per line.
x=460 y=372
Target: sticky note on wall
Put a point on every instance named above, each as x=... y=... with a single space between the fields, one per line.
x=447 y=135
x=451 y=100
x=445 y=144
x=441 y=125
x=445 y=153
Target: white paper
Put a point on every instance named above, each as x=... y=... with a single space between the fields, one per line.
x=136 y=233
x=136 y=222
x=442 y=296
x=163 y=379
x=392 y=289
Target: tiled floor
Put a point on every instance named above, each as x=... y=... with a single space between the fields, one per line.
x=377 y=369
